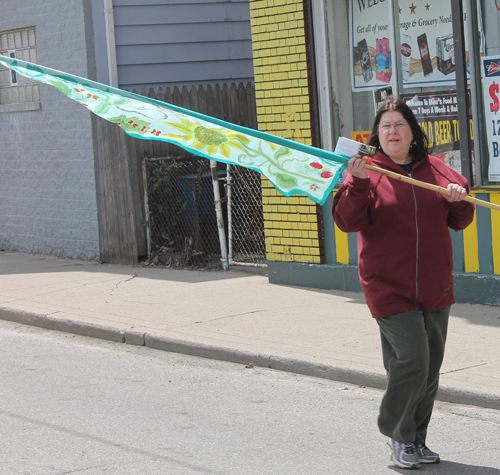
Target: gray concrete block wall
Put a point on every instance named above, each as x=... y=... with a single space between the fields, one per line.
x=47 y=177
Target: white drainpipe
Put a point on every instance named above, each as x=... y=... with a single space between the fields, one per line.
x=110 y=42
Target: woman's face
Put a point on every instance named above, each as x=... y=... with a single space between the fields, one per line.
x=395 y=136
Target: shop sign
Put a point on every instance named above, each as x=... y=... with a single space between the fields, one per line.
x=491 y=95
x=437 y=115
x=427 y=48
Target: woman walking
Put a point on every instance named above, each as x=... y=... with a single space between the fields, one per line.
x=405 y=269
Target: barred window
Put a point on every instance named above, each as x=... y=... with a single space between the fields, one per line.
x=17 y=92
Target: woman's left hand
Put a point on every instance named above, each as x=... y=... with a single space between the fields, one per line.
x=455 y=192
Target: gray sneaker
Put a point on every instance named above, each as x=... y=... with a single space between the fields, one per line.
x=426 y=455
x=404 y=455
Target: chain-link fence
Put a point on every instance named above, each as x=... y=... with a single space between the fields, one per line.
x=182 y=226
x=181 y=219
x=247 y=240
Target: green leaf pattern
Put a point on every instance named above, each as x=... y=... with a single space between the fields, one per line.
x=291 y=171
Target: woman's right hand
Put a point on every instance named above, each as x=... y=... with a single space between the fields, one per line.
x=355 y=167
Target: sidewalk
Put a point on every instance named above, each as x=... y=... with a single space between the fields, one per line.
x=238 y=316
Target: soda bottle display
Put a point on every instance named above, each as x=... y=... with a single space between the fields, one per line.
x=406 y=56
x=425 y=56
x=383 y=60
x=364 y=58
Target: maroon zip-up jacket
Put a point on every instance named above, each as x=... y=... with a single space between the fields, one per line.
x=404 y=245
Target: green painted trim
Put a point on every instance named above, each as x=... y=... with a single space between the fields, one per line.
x=495 y=235
x=457 y=241
x=352 y=239
x=329 y=231
x=485 y=250
x=317 y=276
x=469 y=288
x=477 y=288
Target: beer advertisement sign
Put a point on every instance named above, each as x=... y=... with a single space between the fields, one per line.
x=437 y=115
x=491 y=95
x=427 y=48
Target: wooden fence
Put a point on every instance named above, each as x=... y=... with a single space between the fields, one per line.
x=118 y=163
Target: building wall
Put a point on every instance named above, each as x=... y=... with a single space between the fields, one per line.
x=476 y=249
x=47 y=178
x=166 y=43
x=476 y=254
x=282 y=66
x=295 y=252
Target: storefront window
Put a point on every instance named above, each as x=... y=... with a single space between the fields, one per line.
x=490 y=72
x=375 y=52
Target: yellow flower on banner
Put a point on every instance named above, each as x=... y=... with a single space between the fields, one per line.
x=214 y=139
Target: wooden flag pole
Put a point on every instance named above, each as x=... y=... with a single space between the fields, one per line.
x=422 y=184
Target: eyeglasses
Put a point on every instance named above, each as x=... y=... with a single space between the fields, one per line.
x=386 y=126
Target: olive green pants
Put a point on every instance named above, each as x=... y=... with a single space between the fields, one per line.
x=413 y=349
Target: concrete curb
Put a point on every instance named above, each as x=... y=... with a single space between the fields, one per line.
x=233 y=355
x=62 y=324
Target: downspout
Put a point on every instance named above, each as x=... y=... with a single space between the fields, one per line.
x=109 y=22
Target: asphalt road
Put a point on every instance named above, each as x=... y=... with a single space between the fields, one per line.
x=75 y=405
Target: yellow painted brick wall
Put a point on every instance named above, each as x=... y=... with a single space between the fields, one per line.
x=292 y=225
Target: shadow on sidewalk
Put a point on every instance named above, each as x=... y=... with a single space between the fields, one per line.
x=14 y=263
x=451 y=468
x=18 y=263
x=477 y=314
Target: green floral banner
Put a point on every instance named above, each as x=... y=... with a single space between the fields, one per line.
x=293 y=168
